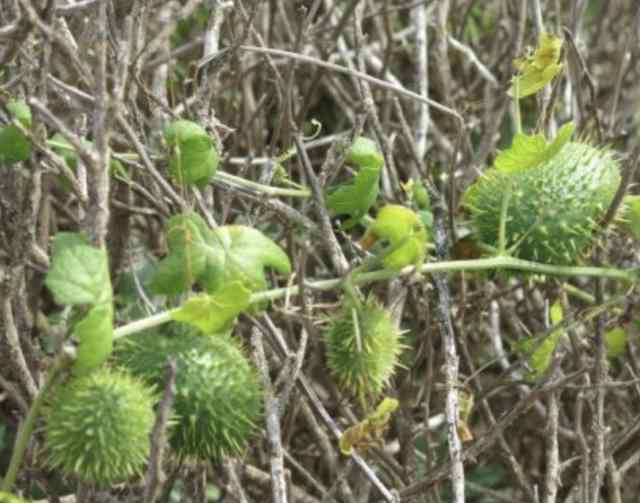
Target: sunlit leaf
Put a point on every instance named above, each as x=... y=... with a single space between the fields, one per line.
x=405 y=232
x=215 y=312
x=537 y=70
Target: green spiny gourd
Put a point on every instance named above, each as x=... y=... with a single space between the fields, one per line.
x=218 y=401
x=552 y=206
x=98 y=427
x=363 y=345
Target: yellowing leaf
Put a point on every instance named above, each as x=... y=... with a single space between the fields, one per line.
x=369 y=431
x=538 y=69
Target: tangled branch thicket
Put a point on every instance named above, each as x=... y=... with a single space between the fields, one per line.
x=283 y=87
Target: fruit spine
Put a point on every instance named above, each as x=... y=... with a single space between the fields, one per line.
x=218 y=399
x=98 y=427
x=362 y=347
x=552 y=206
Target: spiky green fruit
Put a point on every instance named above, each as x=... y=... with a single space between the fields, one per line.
x=553 y=206
x=218 y=401
x=363 y=345
x=98 y=427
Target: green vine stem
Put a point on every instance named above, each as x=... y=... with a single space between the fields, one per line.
x=220 y=176
x=62 y=362
x=483 y=264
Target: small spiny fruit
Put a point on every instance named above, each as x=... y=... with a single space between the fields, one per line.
x=218 y=401
x=553 y=206
x=363 y=345
x=98 y=427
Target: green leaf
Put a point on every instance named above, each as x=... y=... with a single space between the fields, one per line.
x=616 y=342
x=540 y=352
x=526 y=152
x=537 y=70
x=246 y=254
x=357 y=197
x=405 y=232
x=193 y=256
x=211 y=258
x=195 y=158
x=21 y=111
x=216 y=312
x=95 y=334
x=15 y=146
x=79 y=272
x=364 y=152
x=177 y=272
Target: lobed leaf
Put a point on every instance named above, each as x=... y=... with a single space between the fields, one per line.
x=79 y=272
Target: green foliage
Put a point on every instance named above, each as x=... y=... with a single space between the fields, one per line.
x=10 y=498
x=538 y=69
x=14 y=145
x=193 y=255
x=194 y=158
x=218 y=400
x=363 y=346
x=216 y=312
x=232 y=253
x=540 y=351
x=247 y=253
x=406 y=233
x=98 y=427
x=554 y=201
x=79 y=274
x=357 y=197
x=95 y=334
